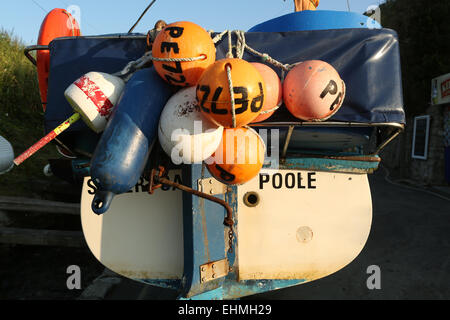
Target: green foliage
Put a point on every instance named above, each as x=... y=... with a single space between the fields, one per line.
x=424 y=34
x=21 y=116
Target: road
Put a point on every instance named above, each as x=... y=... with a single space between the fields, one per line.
x=409 y=242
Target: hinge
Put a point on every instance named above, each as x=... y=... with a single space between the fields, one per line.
x=213 y=270
x=211 y=186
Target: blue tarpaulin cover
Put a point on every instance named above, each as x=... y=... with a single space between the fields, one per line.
x=368 y=60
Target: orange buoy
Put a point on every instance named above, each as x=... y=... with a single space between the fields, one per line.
x=184 y=40
x=313 y=91
x=239 y=157
x=58 y=23
x=274 y=91
x=213 y=93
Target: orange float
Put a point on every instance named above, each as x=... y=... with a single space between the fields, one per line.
x=183 y=40
x=58 y=23
x=274 y=91
x=214 y=97
x=313 y=91
x=239 y=157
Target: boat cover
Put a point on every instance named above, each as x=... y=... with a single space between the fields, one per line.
x=368 y=60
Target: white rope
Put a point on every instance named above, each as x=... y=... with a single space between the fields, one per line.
x=278 y=106
x=240 y=47
x=230 y=87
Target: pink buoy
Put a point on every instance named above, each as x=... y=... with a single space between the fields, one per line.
x=274 y=91
x=313 y=91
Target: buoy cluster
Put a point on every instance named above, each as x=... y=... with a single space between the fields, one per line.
x=198 y=108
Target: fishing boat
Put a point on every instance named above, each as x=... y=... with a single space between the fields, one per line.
x=306 y=215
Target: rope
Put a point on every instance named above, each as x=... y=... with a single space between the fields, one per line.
x=201 y=57
x=230 y=81
x=230 y=87
x=273 y=109
x=133 y=66
x=240 y=47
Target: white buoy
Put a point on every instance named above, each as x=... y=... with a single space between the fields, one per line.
x=94 y=96
x=6 y=156
x=185 y=134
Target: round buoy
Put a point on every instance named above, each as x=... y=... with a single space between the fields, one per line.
x=184 y=40
x=274 y=91
x=185 y=134
x=213 y=93
x=239 y=157
x=313 y=91
x=57 y=23
x=94 y=96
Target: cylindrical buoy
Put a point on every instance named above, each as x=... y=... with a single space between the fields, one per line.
x=94 y=96
x=183 y=40
x=185 y=134
x=274 y=91
x=239 y=157
x=6 y=156
x=57 y=23
x=214 y=94
x=313 y=91
x=125 y=145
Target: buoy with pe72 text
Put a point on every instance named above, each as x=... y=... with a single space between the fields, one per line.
x=126 y=143
x=57 y=23
x=239 y=157
x=185 y=134
x=274 y=91
x=191 y=45
x=313 y=91
x=214 y=93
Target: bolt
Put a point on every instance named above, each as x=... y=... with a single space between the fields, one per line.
x=203 y=279
x=203 y=269
x=213 y=266
x=211 y=191
x=210 y=181
x=213 y=276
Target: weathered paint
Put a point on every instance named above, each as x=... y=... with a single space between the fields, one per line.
x=162 y=283
x=203 y=234
x=330 y=165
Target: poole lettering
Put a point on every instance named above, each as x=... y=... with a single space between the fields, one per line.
x=289 y=180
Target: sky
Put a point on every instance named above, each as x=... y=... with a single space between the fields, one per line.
x=23 y=17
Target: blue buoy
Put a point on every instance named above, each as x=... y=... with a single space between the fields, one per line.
x=125 y=145
x=316 y=20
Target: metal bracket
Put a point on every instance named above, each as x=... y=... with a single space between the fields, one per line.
x=211 y=186
x=214 y=270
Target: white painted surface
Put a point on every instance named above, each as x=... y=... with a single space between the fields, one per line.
x=303 y=233
x=140 y=236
